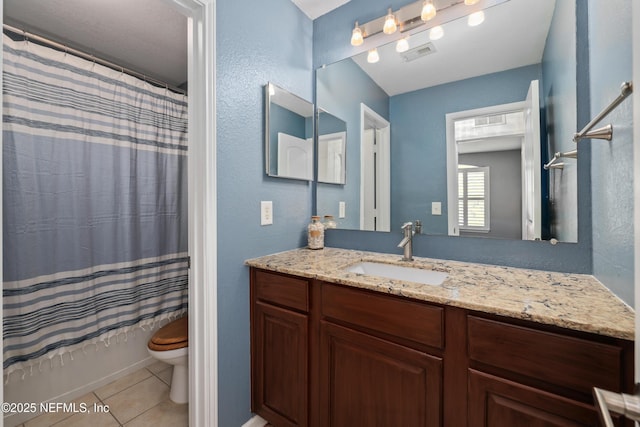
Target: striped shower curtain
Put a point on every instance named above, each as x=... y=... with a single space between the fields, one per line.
x=95 y=204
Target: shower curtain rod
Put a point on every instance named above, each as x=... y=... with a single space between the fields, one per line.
x=76 y=52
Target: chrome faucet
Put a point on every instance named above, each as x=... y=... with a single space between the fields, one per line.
x=620 y=403
x=405 y=243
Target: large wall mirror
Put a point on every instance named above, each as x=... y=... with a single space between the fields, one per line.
x=454 y=131
x=288 y=134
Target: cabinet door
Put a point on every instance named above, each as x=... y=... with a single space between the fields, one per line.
x=497 y=402
x=367 y=381
x=279 y=365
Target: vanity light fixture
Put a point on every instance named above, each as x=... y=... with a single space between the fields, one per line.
x=356 y=36
x=390 y=25
x=415 y=15
x=436 y=32
x=402 y=45
x=428 y=10
x=372 y=56
x=475 y=19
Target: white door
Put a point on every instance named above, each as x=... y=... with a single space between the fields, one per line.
x=531 y=191
x=295 y=157
x=368 y=193
x=375 y=171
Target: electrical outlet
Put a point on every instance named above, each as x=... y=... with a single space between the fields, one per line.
x=436 y=208
x=266 y=212
x=341 y=210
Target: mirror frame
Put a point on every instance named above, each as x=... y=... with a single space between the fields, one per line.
x=270 y=91
x=334 y=58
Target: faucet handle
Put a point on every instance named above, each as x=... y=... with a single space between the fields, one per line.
x=406 y=225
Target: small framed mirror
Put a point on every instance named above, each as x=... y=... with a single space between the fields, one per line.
x=288 y=134
x=332 y=148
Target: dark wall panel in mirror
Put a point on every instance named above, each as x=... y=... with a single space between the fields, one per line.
x=468 y=68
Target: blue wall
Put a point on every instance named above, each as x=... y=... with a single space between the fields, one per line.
x=252 y=51
x=612 y=162
x=331 y=44
x=418 y=139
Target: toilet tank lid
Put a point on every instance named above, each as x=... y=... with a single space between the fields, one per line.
x=173 y=332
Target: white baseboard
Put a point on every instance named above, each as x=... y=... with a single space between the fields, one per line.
x=256 y=421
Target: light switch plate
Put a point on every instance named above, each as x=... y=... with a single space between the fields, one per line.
x=341 y=210
x=436 y=208
x=266 y=212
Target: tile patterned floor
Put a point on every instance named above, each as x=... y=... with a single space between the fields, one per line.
x=140 y=399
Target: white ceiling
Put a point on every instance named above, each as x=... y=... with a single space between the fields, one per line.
x=147 y=36
x=513 y=35
x=316 y=8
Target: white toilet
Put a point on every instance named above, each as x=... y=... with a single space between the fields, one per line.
x=170 y=344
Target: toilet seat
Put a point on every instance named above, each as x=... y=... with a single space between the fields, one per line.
x=172 y=336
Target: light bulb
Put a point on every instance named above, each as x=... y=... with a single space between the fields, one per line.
x=436 y=32
x=356 y=36
x=470 y=2
x=402 y=45
x=373 y=56
x=390 y=26
x=428 y=10
x=475 y=18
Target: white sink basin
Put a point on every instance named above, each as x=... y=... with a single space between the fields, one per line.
x=397 y=272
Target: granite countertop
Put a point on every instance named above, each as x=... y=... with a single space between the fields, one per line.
x=574 y=301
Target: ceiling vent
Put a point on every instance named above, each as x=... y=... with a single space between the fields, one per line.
x=419 y=52
x=493 y=120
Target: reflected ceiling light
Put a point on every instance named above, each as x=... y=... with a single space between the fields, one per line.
x=470 y=2
x=475 y=18
x=356 y=36
x=390 y=26
x=428 y=10
x=436 y=32
x=402 y=45
x=373 y=56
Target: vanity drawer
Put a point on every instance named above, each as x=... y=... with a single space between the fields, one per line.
x=392 y=316
x=570 y=362
x=279 y=289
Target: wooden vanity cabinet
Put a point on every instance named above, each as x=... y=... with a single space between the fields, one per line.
x=375 y=366
x=280 y=348
x=522 y=374
x=332 y=355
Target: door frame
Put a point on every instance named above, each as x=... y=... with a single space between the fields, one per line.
x=635 y=42
x=202 y=207
x=452 y=155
